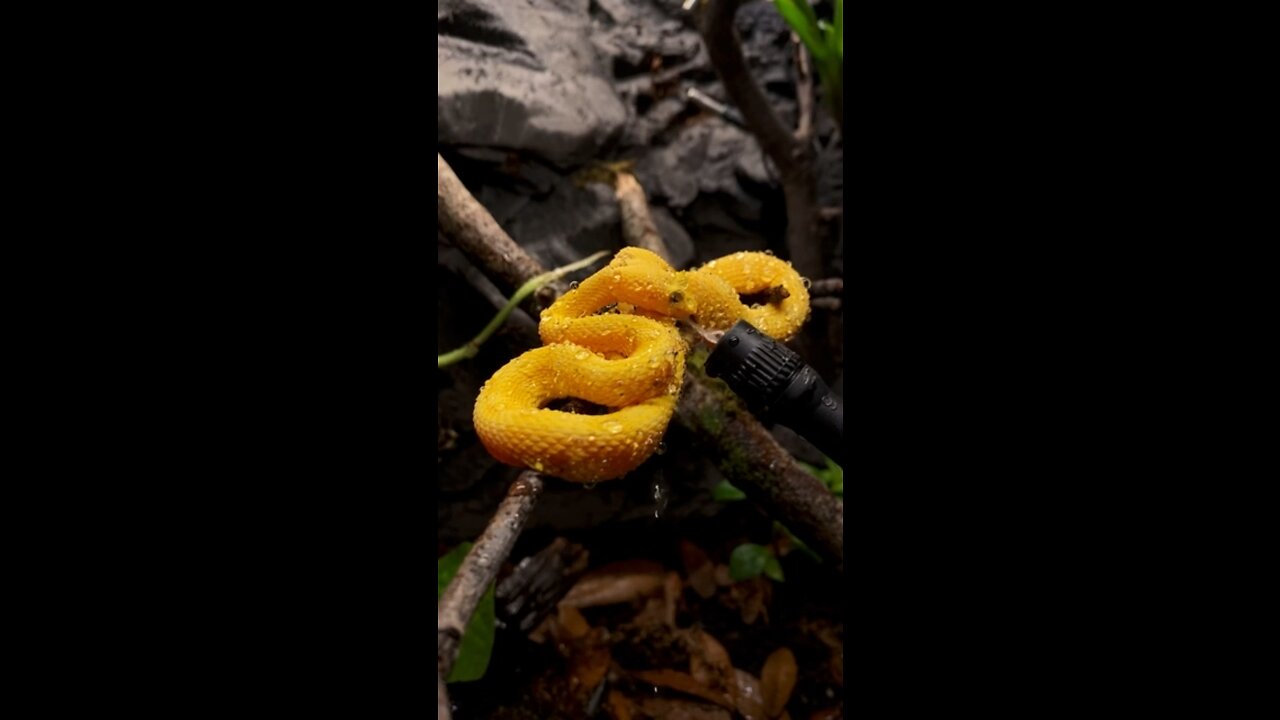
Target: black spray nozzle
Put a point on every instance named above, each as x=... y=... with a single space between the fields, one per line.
x=777 y=385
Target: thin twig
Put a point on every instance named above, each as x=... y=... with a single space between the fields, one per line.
x=794 y=160
x=751 y=459
x=480 y=566
x=442 y=700
x=637 y=222
x=473 y=230
x=804 y=92
x=459 y=264
x=473 y=346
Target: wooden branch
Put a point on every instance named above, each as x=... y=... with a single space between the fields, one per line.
x=793 y=159
x=473 y=230
x=753 y=461
x=480 y=566
x=637 y=222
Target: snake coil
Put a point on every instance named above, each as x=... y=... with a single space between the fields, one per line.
x=629 y=359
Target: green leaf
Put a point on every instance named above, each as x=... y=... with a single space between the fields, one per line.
x=748 y=561
x=477 y=641
x=840 y=30
x=799 y=15
x=726 y=492
x=800 y=544
x=773 y=569
x=832 y=475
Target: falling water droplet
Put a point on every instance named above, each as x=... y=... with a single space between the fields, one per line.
x=660 y=497
x=661 y=449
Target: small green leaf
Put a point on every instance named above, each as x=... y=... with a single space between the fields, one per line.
x=477 y=641
x=748 y=560
x=832 y=475
x=799 y=544
x=773 y=569
x=726 y=492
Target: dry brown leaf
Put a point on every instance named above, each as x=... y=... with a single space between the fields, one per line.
x=753 y=596
x=722 y=575
x=571 y=622
x=676 y=680
x=699 y=569
x=833 y=713
x=747 y=696
x=539 y=634
x=588 y=666
x=778 y=680
x=619 y=706
x=671 y=594
x=609 y=589
x=709 y=662
x=680 y=709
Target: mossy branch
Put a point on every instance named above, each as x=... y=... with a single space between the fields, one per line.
x=473 y=346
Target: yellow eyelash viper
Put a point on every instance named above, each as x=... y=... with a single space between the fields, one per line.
x=631 y=360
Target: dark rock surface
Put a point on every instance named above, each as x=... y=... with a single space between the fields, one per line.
x=523 y=76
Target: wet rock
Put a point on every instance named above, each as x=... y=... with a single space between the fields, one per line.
x=525 y=76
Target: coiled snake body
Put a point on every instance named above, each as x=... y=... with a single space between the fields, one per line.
x=630 y=360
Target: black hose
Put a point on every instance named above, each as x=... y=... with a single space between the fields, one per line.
x=778 y=386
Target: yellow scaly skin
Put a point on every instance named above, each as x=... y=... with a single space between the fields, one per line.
x=631 y=362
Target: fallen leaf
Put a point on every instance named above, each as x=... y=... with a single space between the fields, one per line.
x=671 y=594
x=778 y=680
x=751 y=597
x=698 y=568
x=572 y=624
x=709 y=662
x=595 y=589
x=619 y=706
x=680 y=709
x=683 y=682
x=827 y=714
x=587 y=667
x=747 y=696
x=722 y=575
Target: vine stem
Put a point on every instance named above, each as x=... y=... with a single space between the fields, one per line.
x=473 y=346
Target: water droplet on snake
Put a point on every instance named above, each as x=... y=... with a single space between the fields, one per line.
x=581 y=354
x=807 y=283
x=613 y=427
x=573 y=285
